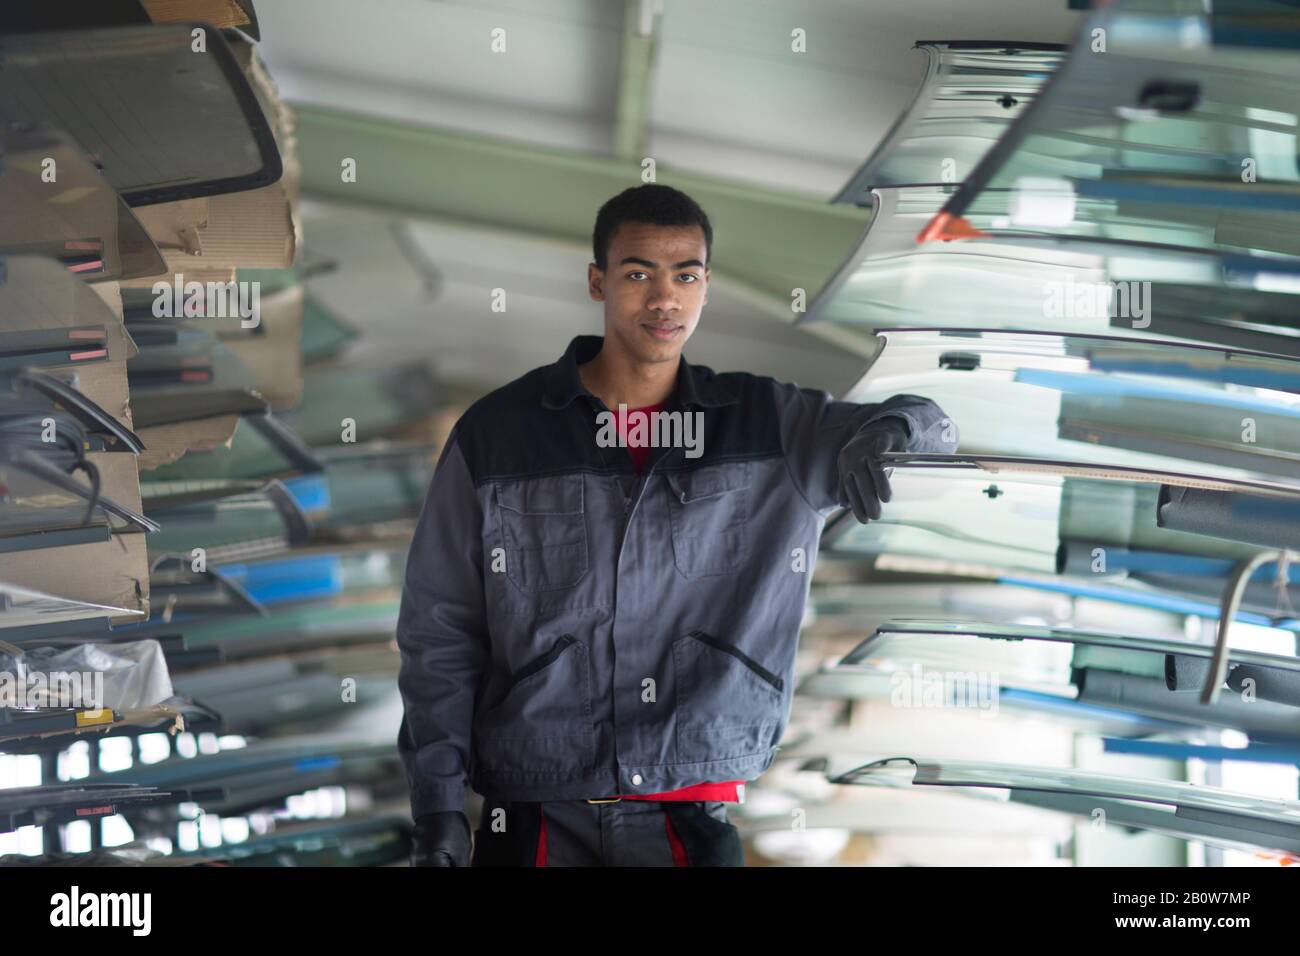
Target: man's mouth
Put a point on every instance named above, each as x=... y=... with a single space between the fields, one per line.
x=661 y=330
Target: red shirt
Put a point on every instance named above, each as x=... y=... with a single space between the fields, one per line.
x=727 y=791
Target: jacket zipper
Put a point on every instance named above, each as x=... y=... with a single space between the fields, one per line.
x=629 y=510
x=629 y=507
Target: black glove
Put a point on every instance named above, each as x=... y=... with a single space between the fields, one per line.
x=441 y=839
x=864 y=481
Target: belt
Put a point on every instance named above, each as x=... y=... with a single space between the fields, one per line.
x=604 y=800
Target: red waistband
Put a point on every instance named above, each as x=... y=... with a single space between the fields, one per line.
x=728 y=792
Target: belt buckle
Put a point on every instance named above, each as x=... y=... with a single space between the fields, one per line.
x=606 y=800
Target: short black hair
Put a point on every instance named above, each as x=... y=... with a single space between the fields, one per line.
x=652 y=203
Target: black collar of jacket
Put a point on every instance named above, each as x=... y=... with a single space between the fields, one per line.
x=696 y=384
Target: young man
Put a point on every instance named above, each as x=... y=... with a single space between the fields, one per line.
x=599 y=623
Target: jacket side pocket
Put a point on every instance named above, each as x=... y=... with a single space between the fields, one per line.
x=728 y=704
x=542 y=728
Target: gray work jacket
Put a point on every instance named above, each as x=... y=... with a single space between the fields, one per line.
x=570 y=629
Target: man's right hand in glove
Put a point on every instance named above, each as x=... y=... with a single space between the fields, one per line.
x=441 y=839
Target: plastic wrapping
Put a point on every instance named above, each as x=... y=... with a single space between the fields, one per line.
x=134 y=673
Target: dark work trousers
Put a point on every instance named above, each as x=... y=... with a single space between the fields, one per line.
x=625 y=833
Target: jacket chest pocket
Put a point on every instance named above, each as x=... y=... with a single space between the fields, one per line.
x=709 y=513
x=543 y=529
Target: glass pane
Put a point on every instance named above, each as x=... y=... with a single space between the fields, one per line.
x=1132 y=402
x=78 y=219
x=971 y=92
x=1157 y=134
x=24 y=608
x=130 y=97
x=1084 y=782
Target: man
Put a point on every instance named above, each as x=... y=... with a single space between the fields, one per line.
x=598 y=628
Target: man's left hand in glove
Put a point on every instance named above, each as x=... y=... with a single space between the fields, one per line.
x=864 y=480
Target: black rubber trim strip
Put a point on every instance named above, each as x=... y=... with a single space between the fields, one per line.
x=35 y=465
x=87 y=411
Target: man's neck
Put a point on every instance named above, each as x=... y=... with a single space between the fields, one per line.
x=616 y=379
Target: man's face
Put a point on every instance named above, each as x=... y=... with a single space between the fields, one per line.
x=654 y=287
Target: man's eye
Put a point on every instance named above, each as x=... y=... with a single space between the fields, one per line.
x=689 y=275
x=633 y=275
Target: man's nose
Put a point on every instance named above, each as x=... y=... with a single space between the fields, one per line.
x=662 y=298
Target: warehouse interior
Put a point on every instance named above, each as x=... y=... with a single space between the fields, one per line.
x=1073 y=643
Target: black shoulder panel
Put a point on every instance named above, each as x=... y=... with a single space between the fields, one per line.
x=509 y=433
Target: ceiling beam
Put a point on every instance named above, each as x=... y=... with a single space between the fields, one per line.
x=641 y=19
x=772 y=241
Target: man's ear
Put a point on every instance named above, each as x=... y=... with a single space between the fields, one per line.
x=595 y=282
